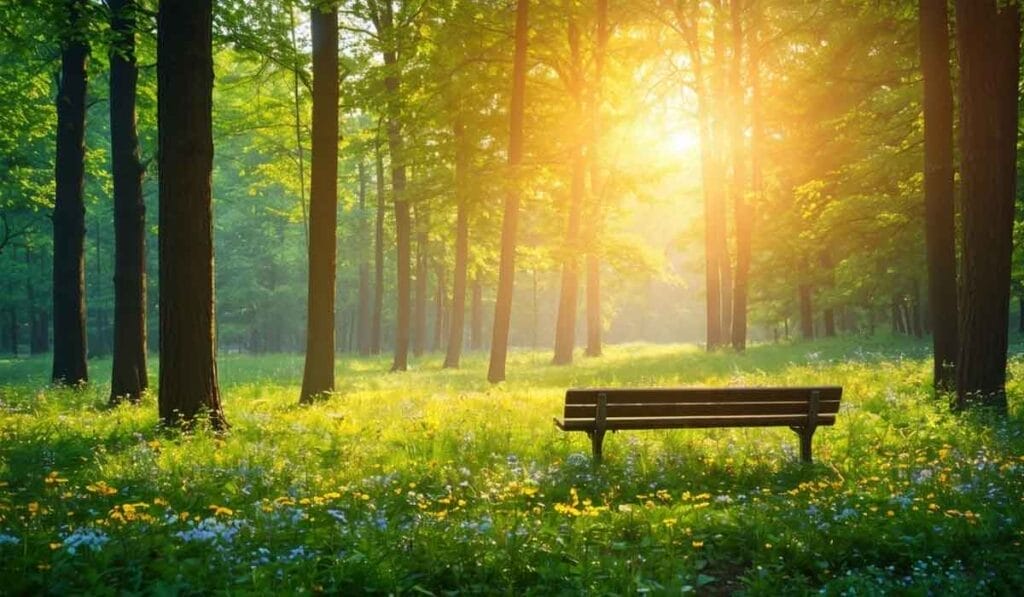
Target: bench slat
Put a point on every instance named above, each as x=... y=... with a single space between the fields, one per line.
x=585 y=411
x=636 y=423
x=700 y=395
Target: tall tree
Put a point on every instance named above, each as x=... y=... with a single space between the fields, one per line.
x=363 y=322
x=129 y=377
x=565 y=323
x=378 y=254
x=510 y=222
x=69 y=334
x=382 y=13
x=988 y=41
x=741 y=210
x=940 y=234
x=593 y=261
x=318 y=377
x=188 y=349
x=458 y=317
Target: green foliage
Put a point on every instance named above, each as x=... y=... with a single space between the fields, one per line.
x=436 y=481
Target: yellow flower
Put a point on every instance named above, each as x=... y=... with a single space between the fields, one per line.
x=159 y=502
x=697 y=544
x=101 y=488
x=669 y=522
x=55 y=545
x=221 y=510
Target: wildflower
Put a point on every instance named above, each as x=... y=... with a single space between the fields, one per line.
x=697 y=544
x=221 y=510
x=92 y=539
x=6 y=539
x=101 y=488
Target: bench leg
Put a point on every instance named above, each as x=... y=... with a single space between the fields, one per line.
x=596 y=441
x=806 y=436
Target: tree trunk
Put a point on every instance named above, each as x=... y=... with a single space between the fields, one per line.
x=69 y=328
x=719 y=83
x=806 y=312
x=384 y=19
x=363 y=322
x=188 y=356
x=510 y=221
x=476 y=324
x=989 y=48
x=458 y=313
x=743 y=212
x=940 y=239
x=565 y=325
x=318 y=377
x=829 y=317
x=128 y=378
x=419 y=313
x=593 y=249
x=440 y=307
x=378 y=258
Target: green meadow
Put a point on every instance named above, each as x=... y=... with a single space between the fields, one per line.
x=433 y=482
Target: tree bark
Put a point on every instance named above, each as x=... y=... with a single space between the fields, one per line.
x=363 y=323
x=593 y=253
x=69 y=329
x=318 y=377
x=940 y=235
x=510 y=221
x=188 y=357
x=378 y=258
x=988 y=41
x=565 y=325
x=129 y=377
x=719 y=84
x=743 y=212
x=458 y=313
x=385 y=19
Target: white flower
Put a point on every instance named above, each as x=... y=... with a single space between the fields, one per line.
x=211 y=530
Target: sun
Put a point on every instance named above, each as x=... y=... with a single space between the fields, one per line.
x=681 y=142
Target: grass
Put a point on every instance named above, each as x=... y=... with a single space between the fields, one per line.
x=432 y=481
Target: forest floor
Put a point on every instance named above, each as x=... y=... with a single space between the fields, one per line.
x=434 y=481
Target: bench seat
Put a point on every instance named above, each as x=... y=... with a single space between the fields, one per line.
x=598 y=410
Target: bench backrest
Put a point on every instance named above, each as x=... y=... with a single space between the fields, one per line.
x=644 y=408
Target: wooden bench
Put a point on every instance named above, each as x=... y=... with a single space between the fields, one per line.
x=597 y=411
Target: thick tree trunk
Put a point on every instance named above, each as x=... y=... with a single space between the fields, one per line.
x=743 y=212
x=378 y=258
x=363 y=323
x=318 y=377
x=940 y=239
x=806 y=312
x=69 y=330
x=128 y=378
x=458 y=313
x=419 y=312
x=510 y=221
x=188 y=356
x=565 y=325
x=989 y=46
